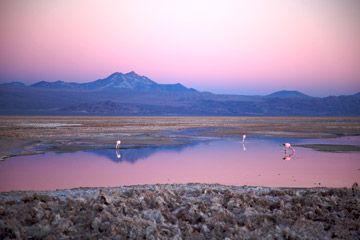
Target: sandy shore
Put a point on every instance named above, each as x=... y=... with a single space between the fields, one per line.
x=187 y=211
x=39 y=128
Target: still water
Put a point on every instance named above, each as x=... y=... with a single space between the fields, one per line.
x=260 y=162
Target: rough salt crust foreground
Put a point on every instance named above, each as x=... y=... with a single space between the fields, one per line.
x=186 y=211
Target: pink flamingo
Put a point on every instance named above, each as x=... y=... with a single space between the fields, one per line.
x=288 y=145
x=118 y=144
x=244 y=136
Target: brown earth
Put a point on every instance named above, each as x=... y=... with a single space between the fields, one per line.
x=331 y=147
x=29 y=128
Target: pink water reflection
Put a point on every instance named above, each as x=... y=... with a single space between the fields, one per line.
x=223 y=162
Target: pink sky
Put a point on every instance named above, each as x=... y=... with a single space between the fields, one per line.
x=242 y=47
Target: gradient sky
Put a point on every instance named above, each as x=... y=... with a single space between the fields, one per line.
x=224 y=46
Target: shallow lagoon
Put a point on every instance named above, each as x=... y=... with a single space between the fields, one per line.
x=260 y=161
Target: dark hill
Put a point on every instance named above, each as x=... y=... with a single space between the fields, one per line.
x=13 y=84
x=57 y=84
x=287 y=94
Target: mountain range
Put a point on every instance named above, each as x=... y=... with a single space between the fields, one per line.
x=130 y=81
x=132 y=94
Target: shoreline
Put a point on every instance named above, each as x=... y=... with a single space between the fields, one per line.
x=181 y=211
x=80 y=190
x=21 y=135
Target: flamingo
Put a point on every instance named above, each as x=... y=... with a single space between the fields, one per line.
x=288 y=145
x=118 y=144
x=244 y=136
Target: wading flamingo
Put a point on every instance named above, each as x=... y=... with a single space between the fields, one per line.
x=118 y=144
x=287 y=145
x=244 y=136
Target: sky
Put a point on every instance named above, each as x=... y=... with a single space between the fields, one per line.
x=222 y=46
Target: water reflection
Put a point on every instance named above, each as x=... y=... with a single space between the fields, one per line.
x=223 y=162
x=136 y=153
x=288 y=157
x=243 y=147
x=124 y=155
x=118 y=155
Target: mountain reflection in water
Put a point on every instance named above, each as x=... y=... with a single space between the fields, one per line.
x=133 y=155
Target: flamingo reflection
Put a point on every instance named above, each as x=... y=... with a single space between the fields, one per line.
x=243 y=143
x=118 y=155
x=288 y=157
x=243 y=147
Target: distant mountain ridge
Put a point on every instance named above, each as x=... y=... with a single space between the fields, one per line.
x=132 y=94
x=357 y=95
x=14 y=84
x=288 y=94
x=133 y=81
x=117 y=80
x=57 y=84
x=129 y=80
